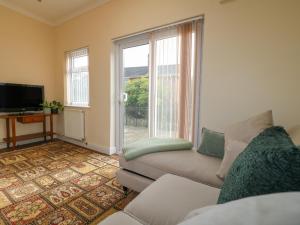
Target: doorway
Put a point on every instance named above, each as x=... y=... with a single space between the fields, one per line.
x=158 y=83
x=135 y=84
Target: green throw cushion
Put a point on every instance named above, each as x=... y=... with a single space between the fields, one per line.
x=153 y=145
x=212 y=143
x=269 y=164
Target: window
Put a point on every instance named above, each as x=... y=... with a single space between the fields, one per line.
x=78 y=78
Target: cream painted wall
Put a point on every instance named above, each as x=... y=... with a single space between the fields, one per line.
x=26 y=56
x=251 y=56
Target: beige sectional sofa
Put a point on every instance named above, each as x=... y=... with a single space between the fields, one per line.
x=185 y=180
x=260 y=210
x=165 y=202
x=137 y=174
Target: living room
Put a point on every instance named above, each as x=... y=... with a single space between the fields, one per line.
x=245 y=63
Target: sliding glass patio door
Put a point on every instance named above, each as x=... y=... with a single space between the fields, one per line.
x=133 y=90
x=157 y=85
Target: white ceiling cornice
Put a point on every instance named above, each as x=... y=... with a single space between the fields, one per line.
x=18 y=9
x=57 y=21
x=81 y=11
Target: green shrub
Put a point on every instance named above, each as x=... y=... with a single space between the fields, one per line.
x=138 y=93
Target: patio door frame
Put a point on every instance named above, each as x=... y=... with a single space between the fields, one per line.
x=143 y=38
x=135 y=41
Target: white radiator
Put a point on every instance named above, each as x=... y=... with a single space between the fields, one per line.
x=74 y=123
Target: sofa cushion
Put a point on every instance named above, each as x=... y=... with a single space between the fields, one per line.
x=246 y=130
x=155 y=144
x=233 y=149
x=212 y=143
x=190 y=164
x=273 y=209
x=168 y=200
x=239 y=133
x=270 y=164
x=120 y=218
x=294 y=133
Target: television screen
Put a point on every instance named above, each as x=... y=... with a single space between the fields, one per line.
x=20 y=97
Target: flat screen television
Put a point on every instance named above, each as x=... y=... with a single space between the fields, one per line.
x=20 y=97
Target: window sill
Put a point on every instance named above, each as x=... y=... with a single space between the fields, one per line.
x=78 y=106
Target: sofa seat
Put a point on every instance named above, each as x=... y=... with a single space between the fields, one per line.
x=168 y=200
x=189 y=164
x=120 y=218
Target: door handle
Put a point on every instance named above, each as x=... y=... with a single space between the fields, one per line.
x=125 y=97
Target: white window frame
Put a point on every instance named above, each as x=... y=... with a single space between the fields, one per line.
x=68 y=101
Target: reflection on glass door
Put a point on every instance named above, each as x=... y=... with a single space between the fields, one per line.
x=135 y=93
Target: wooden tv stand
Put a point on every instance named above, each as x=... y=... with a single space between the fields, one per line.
x=26 y=119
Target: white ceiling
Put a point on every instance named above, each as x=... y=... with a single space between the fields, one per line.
x=52 y=12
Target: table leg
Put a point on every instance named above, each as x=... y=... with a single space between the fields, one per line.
x=13 y=128
x=44 y=129
x=7 y=133
x=51 y=127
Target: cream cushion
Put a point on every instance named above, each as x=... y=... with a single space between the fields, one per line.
x=273 y=209
x=234 y=148
x=187 y=163
x=239 y=135
x=168 y=200
x=294 y=133
x=120 y=218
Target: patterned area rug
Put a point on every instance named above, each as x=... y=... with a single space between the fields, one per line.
x=59 y=184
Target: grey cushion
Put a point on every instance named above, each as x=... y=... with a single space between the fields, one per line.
x=189 y=164
x=168 y=200
x=119 y=218
x=212 y=143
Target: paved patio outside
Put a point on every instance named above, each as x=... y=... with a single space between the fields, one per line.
x=132 y=134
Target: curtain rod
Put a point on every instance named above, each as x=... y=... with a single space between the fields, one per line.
x=159 y=28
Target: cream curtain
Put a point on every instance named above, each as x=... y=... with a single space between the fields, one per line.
x=165 y=82
x=174 y=60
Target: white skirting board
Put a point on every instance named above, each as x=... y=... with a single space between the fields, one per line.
x=3 y=145
x=104 y=150
x=101 y=149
